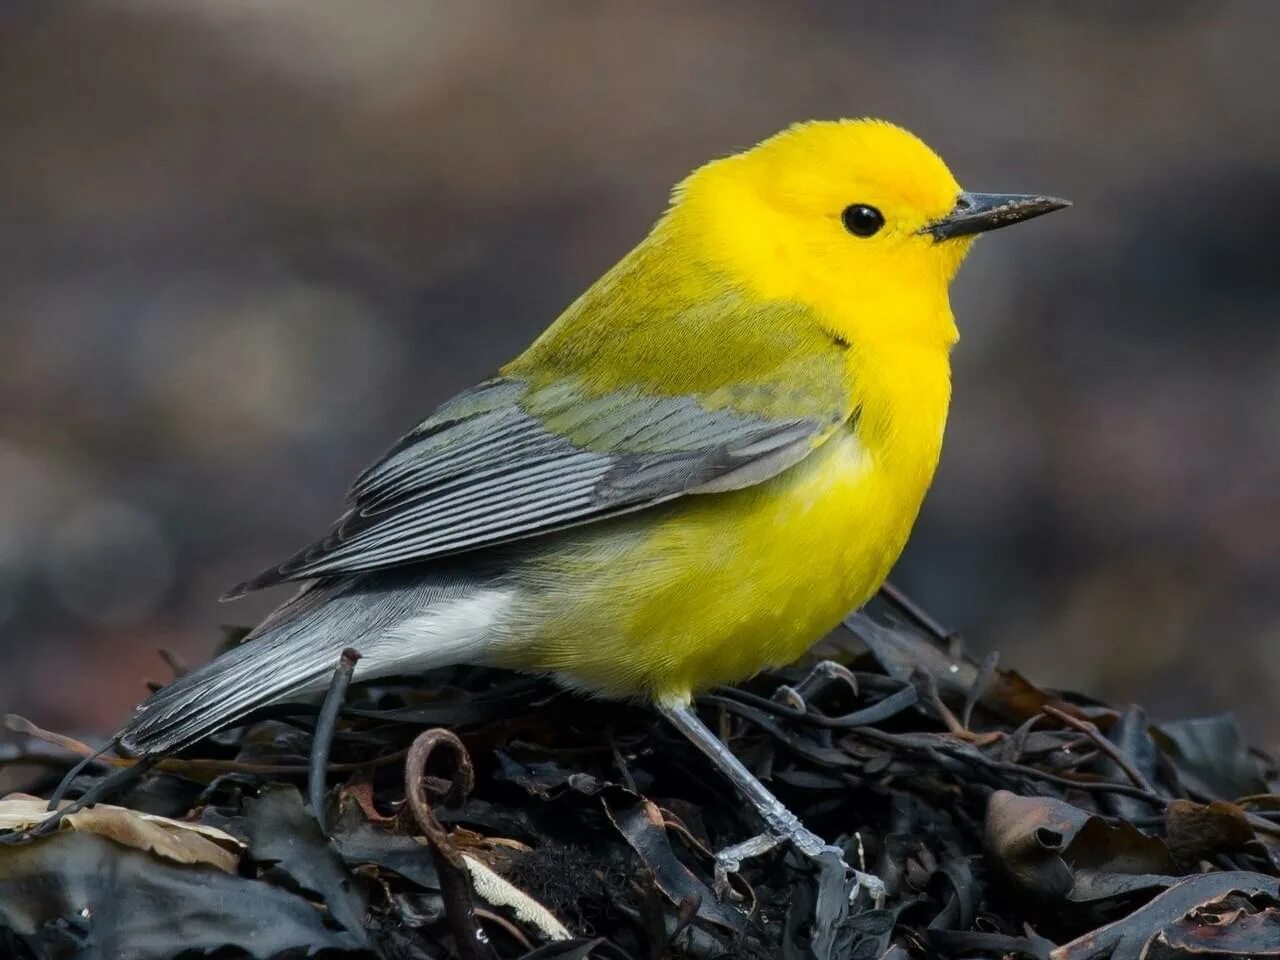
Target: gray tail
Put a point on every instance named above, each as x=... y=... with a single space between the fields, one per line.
x=293 y=653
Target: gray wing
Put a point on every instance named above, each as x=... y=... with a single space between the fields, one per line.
x=504 y=461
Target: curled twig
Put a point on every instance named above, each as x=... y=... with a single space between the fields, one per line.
x=455 y=886
x=459 y=873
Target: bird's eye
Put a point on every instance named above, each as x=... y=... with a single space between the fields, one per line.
x=862 y=220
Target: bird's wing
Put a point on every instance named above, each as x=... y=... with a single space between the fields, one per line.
x=509 y=459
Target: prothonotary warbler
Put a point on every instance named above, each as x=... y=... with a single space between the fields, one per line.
x=711 y=457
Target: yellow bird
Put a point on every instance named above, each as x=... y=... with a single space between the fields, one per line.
x=710 y=458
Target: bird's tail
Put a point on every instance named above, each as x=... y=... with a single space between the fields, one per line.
x=398 y=625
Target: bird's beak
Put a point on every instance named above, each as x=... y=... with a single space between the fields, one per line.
x=980 y=212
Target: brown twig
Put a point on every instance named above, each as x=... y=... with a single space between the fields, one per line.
x=1106 y=746
x=953 y=724
x=196 y=769
x=455 y=885
x=116 y=782
x=969 y=755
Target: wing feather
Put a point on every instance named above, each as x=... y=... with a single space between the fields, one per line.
x=511 y=459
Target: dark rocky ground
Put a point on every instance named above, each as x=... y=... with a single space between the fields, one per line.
x=1007 y=820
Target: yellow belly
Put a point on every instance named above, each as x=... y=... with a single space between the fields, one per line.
x=711 y=589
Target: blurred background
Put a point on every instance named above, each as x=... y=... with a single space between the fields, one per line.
x=245 y=245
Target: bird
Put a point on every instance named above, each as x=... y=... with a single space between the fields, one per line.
x=710 y=457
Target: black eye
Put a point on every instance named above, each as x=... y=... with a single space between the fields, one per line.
x=862 y=220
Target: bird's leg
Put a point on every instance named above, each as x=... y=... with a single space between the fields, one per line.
x=781 y=825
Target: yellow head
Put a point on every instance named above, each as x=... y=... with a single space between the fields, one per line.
x=858 y=219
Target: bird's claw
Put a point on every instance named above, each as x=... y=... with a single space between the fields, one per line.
x=815 y=849
x=861 y=881
x=790 y=697
x=729 y=861
x=808 y=845
x=824 y=674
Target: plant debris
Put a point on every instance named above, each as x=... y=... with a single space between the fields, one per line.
x=477 y=814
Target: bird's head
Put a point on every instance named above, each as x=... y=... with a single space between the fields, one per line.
x=858 y=219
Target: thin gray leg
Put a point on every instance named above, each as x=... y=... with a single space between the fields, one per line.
x=781 y=825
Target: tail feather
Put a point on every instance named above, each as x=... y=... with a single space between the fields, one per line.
x=215 y=696
x=389 y=619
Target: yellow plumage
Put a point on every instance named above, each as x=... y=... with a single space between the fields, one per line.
x=710 y=458
x=711 y=589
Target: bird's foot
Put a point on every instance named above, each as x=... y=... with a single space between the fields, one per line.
x=824 y=674
x=729 y=861
x=781 y=825
x=809 y=845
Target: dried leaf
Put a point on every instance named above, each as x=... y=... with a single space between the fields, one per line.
x=1211 y=932
x=361 y=843
x=174 y=840
x=1211 y=757
x=1128 y=939
x=282 y=833
x=1197 y=831
x=1051 y=850
x=1025 y=838
x=640 y=821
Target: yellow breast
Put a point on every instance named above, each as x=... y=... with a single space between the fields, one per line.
x=711 y=589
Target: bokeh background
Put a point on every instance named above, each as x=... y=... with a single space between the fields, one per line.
x=244 y=245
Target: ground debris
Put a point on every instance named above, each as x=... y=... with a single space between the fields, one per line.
x=1006 y=820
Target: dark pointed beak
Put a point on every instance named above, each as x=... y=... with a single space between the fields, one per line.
x=980 y=212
